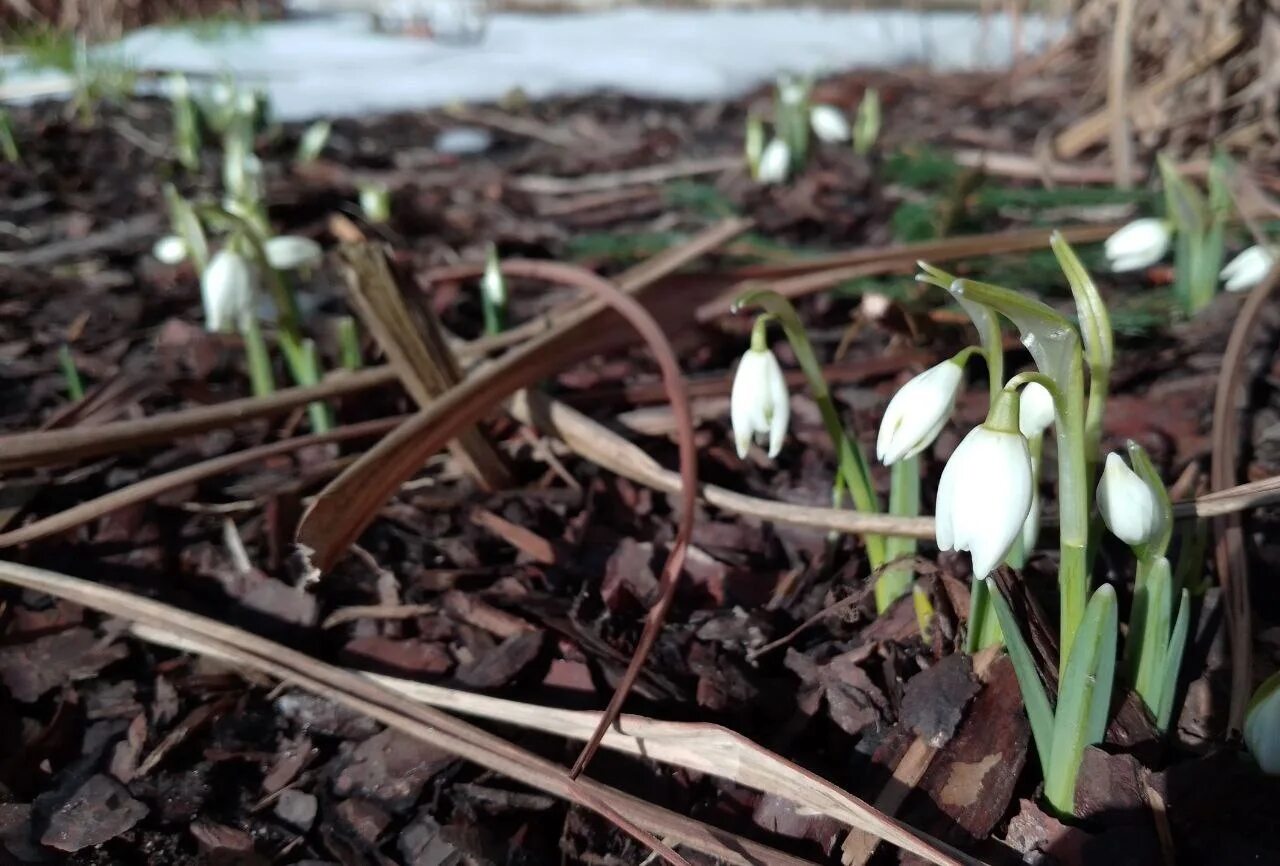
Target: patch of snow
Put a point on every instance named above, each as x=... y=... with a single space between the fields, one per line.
x=336 y=65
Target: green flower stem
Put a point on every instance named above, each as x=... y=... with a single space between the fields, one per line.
x=349 y=344
x=75 y=386
x=261 y=377
x=304 y=364
x=852 y=462
x=904 y=501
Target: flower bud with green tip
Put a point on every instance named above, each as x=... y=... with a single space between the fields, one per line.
x=228 y=288
x=1248 y=269
x=829 y=123
x=1138 y=245
x=292 y=252
x=774 y=163
x=759 y=404
x=985 y=491
x=1126 y=503
x=917 y=413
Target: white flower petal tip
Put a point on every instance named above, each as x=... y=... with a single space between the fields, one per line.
x=829 y=124
x=984 y=496
x=290 y=252
x=227 y=288
x=170 y=250
x=1126 y=503
x=1138 y=245
x=917 y=413
x=775 y=162
x=1262 y=726
x=1248 y=269
x=1036 y=410
x=759 y=404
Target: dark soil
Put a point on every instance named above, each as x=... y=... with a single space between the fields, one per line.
x=123 y=752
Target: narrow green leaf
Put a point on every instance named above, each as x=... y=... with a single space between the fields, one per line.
x=904 y=501
x=1095 y=322
x=1084 y=696
x=70 y=375
x=1173 y=663
x=1154 y=637
x=1034 y=696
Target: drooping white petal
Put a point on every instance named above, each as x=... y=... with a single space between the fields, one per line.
x=170 y=250
x=1036 y=411
x=1262 y=726
x=916 y=414
x=829 y=123
x=227 y=288
x=984 y=496
x=289 y=252
x=1248 y=269
x=759 y=404
x=774 y=162
x=1126 y=503
x=778 y=405
x=1137 y=245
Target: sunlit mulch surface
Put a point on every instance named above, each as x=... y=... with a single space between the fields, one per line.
x=122 y=752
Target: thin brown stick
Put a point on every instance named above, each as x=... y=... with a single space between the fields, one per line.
x=150 y=488
x=1229 y=553
x=45 y=448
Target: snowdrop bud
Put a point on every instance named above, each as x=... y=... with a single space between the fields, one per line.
x=916 y=414
x=1248 y=269
x=759 y=404
x=985 y=491
x=227 y=288
x=1262 y=725
x=792 y=91
x=1126 y=503
x=170 y=250
x=290 y=252
x=1037 y=411
x=1139 y=244
x=828 y=123
x=492 y=283
x=774 y=162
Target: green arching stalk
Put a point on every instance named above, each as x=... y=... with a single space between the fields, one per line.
x=70 y=375
x=904 y=501
x=261 y=377
x=1055 y=346
x=349 y=344
x=852 y=462
x=1098 y=338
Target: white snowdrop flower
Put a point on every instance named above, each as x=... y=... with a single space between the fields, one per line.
x=829 y=123
x=170 y=250
x=1036 y=412
x=493 y=284
x=775 y=162
x=791 y=90
x=1248 y=269
x=759 y=404
x=984 y=496
x=917 y=413
x=227 y=288
x=1127 y=505
x=1138 y=245
x=1262 y=725
x=291 y=252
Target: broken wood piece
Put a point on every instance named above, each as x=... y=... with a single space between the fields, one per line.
x=412 y=340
